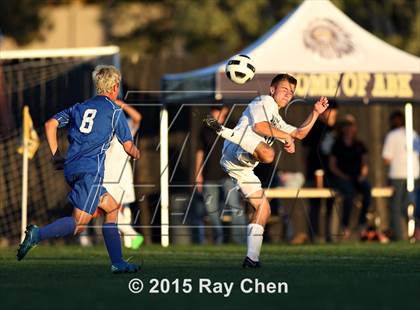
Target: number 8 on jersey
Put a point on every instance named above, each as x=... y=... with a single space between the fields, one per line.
x=88 y=118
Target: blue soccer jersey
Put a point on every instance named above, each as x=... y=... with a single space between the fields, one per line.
x=93 y=124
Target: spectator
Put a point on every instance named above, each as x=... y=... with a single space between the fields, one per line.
x=395 y=156
x=317 y=148
x=213 y=183
x=349 y=168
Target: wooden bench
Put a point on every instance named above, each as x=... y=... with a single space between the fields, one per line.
x=313 y=192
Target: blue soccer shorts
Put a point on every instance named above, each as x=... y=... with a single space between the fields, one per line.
x=86 y=190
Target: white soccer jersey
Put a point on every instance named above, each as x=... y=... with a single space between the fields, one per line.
x=240 y=164
x=118 y=174
x=263 y=109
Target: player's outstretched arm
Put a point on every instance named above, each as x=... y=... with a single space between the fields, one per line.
x=131 y=149
x=51 y=132
x=265 y=129
x=320 y=106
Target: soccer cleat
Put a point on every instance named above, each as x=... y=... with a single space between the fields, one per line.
x=30 y=241
x=212 y=123
x=124 y=267
x=250 y=263
x=137 y=242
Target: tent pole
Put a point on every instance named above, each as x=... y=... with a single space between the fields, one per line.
x=164 y=177
x=410 y=173
x=375 y=150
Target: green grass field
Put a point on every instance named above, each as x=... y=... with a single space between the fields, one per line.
x=346 y=276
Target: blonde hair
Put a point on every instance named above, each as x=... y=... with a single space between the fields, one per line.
x=105 y=78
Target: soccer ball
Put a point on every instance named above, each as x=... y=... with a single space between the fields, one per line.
x=240 y=69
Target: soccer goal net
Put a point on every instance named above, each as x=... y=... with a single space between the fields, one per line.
x=46 y=81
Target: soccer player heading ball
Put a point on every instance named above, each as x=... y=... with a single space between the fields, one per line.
x=93 y=124
x=250 y=142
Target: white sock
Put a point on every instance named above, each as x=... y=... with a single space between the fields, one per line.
x=244 y=140
x=254 y=241
x=124 y=226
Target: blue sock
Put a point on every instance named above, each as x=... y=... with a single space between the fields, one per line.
x=60 y=228
x=112 y=242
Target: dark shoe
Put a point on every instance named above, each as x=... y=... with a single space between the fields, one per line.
x=30 y=241
x=124 y=267
x=250 y=263
x=212 y=123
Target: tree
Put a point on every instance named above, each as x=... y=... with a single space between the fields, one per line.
x=395 y=21
x=226 y=26
x=21 y=20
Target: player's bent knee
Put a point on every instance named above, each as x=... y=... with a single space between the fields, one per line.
x=268 y=156
x=108 y=204
x=81 y=217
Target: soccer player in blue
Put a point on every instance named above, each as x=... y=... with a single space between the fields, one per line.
x=93 y=124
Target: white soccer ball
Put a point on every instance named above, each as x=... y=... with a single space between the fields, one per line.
x=240 y=69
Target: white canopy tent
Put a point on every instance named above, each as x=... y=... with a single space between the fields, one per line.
x=321 y=46
x=329 y=54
